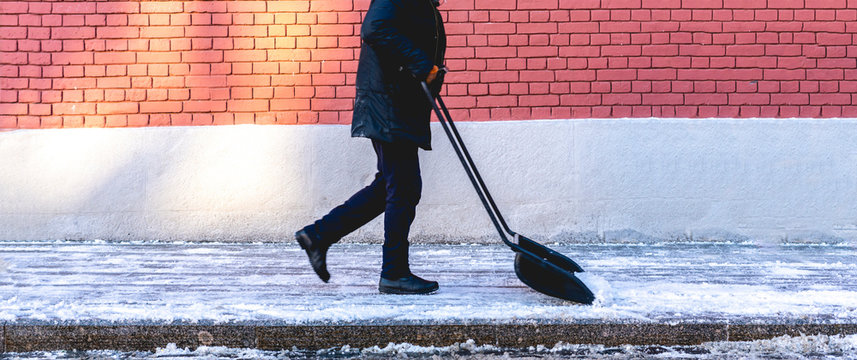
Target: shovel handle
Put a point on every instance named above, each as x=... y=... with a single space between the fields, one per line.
x=470 y=167
x=535 y=251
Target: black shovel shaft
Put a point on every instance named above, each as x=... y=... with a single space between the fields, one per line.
x=475 y=171
x=470 y=167
x=526 y=247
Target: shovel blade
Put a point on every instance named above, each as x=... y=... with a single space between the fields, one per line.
x=549 y=255
x=538 y=274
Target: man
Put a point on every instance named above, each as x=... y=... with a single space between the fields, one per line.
x=403 y=44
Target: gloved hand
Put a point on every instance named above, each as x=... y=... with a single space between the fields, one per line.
x=435 y=79
x=432 y=75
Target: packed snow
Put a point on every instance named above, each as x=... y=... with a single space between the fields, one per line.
x=95 y=282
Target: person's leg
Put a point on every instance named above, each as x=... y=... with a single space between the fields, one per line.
x=355 y=212
x=358 y=210
x=400 y=169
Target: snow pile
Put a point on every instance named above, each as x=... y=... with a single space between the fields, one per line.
x=787 y=346
x=171 y=351
x=468 y=347
x=599 y=286
x=784 y=347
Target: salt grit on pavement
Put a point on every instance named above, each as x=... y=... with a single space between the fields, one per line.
x=217 y=283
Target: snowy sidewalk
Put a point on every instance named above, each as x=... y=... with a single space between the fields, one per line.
x=246 y=285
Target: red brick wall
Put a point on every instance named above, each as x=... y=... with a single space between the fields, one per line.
x=87 y=63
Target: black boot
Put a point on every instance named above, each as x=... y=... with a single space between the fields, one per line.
x=316 y=250
x=410 y=284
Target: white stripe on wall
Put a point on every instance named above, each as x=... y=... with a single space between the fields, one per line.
x=596 y=180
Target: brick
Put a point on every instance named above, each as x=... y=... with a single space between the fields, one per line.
x=117 y=108
x=494 y=28
x=247 y=105
x=160 y=107
x=73 y=108
x=496 y=4
x=580 y=100
x=39 y=109
x=204 y=106
x=745 y=4
x=290 y=104
x=824 y=26
x=206 y=81
x=846 y=15
x=117 y=7
x=701 y=26
x=13 y=109
x=537 y=51
x=579 y=4
x=749 y=99
x=621 y=26
x=578 y=28
x=215 y=31
x=826 y=4
x=824 y=74
x=661 y=4
x=163 y=31
x=833 y=39
x=94 y=121
x=115 y=58
x=616 y=74
x=720 y=74
x=662 y=99
x=786 y=4
x=73 y=8
x=655 y=74
x=702 y=50
x=248 y=31
x=745 y=50
x=538 y=5
x=13 y=7
x=538 y=100
x=331 y=104
x=161 y=7
x=152 y=57
x=72 y=32
x=789 y=99
x=621 y=4
x=212 y=56
x=288 y=6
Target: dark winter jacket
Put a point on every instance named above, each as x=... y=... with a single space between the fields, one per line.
x=402 y=41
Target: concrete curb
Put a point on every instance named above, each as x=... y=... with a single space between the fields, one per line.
x=26 y=338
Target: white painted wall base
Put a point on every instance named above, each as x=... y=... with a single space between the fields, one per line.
x=564 y=180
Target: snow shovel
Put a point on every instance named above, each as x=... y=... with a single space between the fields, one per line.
x=541 y=268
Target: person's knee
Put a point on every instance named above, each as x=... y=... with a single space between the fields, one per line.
x=405 y=196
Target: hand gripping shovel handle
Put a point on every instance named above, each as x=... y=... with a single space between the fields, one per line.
x=469 y=166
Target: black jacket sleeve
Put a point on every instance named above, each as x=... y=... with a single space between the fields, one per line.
x=381 y=32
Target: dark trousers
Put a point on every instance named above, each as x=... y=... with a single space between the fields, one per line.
x=394 y=192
